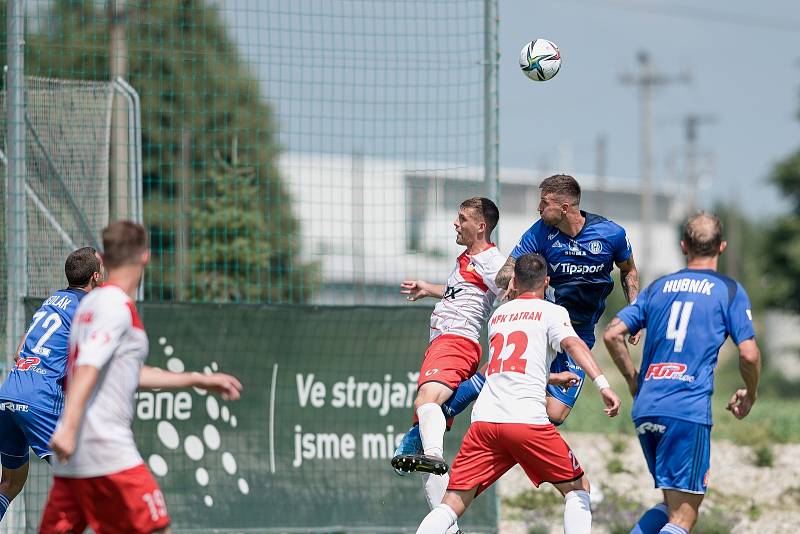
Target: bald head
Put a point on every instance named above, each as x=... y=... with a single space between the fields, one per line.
x=702 y=235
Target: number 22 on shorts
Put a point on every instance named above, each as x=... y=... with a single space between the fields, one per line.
x=513 y=363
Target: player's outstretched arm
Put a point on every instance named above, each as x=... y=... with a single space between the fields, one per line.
x=583 y=356
x=227 y=386
x=629 y=278
x=505 y=273
x=419 y=289
x=81 y=384
x=614 y=338
x=750 y=368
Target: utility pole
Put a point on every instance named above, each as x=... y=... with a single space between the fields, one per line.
x=692 y=121
x=118 y=58
x=600 y=173
x=646 y=79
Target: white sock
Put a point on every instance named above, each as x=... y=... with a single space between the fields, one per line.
x=432 y=425
x=438 y=520
x=435 y=487
x=577 y=513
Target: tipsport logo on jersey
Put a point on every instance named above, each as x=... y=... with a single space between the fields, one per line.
x=210 y=457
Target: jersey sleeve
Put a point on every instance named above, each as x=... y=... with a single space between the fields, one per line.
x=634 y=315
x=527 y=243
x=560 y=328
x=740 y=317
x=98 y=339
x=491 y=273
x=622 y=246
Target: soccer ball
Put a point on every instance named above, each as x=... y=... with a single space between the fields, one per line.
x=540 y=60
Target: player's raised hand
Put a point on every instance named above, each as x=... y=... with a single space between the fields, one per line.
x=611 y=400
x=62 y=443
x=227 y=386
x=415 y=289
x=740 y=404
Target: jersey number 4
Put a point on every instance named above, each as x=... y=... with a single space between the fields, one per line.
x=498 y=347
x=679 y=322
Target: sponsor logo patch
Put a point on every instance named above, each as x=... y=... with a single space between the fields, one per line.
x=668 y=371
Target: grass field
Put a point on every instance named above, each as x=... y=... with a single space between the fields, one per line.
x=775 y=417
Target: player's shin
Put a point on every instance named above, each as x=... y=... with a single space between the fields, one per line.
x=467 y=392
x=432 y=425
x=577 y=512
x=438 y=520
x=652 y=521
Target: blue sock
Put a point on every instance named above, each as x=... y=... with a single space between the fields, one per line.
x=467 y=392
x=652 y=521
x=4 y=502
x=671 y=528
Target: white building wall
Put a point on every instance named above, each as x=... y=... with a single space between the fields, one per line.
x=356 y=215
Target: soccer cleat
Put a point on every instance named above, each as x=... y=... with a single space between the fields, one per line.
x=421 y=463
x=411 y=444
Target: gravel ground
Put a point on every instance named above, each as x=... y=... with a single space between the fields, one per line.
x=742 y=498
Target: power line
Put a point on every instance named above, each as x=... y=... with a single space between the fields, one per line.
x=704 y=15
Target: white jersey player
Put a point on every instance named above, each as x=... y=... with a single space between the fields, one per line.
x=509 y=421
x=100 y=478
x=454 y=352
x=468 y=297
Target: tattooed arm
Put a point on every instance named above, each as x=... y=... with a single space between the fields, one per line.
x=629 y=277
x=505 y=273
x=614 y=338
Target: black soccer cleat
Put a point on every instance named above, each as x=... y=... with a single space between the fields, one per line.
x=421 y=463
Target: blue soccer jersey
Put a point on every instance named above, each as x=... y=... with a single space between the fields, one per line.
x=38 y=376
x=579 y=267
x=688 y=315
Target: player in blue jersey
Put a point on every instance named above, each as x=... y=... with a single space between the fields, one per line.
x=32 y=396
x=688 y=316
x=581 y=250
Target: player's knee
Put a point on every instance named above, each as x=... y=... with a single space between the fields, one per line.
x=12 y=483
x=432 y=393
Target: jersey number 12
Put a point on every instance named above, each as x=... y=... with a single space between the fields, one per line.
x=52 y=323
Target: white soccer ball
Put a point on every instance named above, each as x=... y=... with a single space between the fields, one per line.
x=540 y=60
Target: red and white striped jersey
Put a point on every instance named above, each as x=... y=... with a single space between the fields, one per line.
x=108 y=334
x=525 y=335
x=469 y=295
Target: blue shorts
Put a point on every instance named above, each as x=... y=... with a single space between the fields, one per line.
x=564 y=362
x=23 y=426
x=678 y=453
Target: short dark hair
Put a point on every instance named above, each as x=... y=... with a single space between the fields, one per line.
x=530 y=271
x=487 y=209
x=702 y=234
x=562 y=185
x=81 y=264
x=123 y=242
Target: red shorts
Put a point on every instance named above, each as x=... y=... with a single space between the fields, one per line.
x=491 y=449
x=128 y=502
x=450 y=360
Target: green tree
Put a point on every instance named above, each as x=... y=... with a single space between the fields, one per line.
x=190 y=76
x=783 y=253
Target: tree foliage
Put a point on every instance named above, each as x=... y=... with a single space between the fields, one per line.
x=782 y=256
x=244 y=240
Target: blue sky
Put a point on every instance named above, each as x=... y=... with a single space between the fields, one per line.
x=745 y=66
x=403 y=80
